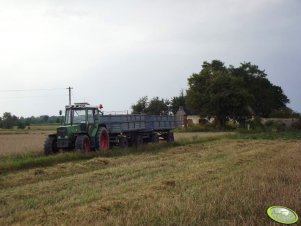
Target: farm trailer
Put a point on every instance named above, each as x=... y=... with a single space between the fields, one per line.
x=86 y=128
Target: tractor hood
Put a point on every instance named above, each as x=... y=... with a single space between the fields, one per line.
x=64 y=132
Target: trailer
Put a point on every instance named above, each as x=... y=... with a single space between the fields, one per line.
x=86 y=128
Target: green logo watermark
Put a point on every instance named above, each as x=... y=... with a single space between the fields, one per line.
x=282 y=214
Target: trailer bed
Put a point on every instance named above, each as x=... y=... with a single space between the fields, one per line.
x=128 y=123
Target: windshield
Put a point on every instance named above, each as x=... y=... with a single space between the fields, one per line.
x=79 y=116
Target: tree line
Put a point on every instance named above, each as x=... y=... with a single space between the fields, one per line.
x=224 y=92
x=8 y=121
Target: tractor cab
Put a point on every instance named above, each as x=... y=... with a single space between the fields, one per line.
x=81 y=115
x=80 y=118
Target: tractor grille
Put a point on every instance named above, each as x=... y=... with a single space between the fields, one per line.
x=63 y=143
x=62 y=132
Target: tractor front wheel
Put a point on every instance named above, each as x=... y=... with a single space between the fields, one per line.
x=50 y=145
x=82 y=143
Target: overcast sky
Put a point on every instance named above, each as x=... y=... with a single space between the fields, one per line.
x=114 y=52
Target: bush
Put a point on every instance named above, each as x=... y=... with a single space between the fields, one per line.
x=274 y=126
x=256 y=125
x=231 y=125
x=197 y=128
x=297 y=125
x=21 y=125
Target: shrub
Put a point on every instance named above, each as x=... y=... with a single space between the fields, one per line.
x=231 y=125
x=297 y=125
x=257 y=125
x=275 y=126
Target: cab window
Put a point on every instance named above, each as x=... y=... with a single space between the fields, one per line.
x=90 y=116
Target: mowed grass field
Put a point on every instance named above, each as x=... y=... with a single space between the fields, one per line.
x=24 y=141
x=203 y=180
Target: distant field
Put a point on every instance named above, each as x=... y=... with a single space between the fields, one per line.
x=220 y=182
x=21 y=143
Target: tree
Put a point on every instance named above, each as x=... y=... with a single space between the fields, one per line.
x=21 y=124
x=284 y=112
x=155 y=106
x=140 y=106
x=266 y=96
x=229 y=92
x=8 y=120
x=178 y=101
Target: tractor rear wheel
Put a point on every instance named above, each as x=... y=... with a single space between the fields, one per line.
x=50 y=145
x=82 y=143
x=102 y=139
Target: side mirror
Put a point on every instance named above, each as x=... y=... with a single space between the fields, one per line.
x=60 y=112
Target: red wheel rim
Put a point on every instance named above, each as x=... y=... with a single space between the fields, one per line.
x=86 y=145
x=104 y=144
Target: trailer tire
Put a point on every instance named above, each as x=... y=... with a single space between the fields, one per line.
x=82 y=143
x=138 y=141
x=170 y=137
x=50 y=145
x=123 y=142
x=155 y=138
x=102 y=139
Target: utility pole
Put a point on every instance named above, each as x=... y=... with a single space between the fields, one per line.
x=69 y=88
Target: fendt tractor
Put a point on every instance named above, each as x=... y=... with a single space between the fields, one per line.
x=86 y=128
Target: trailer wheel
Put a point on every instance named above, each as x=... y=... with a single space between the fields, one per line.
x=102 y=139
x=138 y=141
x=155 y=138
x=170 y=137
x=50 y=145
x=82 y=143
x=123 y=142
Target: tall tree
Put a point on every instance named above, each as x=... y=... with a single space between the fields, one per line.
x=229 y=92
x=267 y=97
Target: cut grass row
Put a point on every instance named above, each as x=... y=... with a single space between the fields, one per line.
x=29 y=160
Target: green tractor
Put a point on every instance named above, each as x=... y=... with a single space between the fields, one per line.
x=81 y=130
